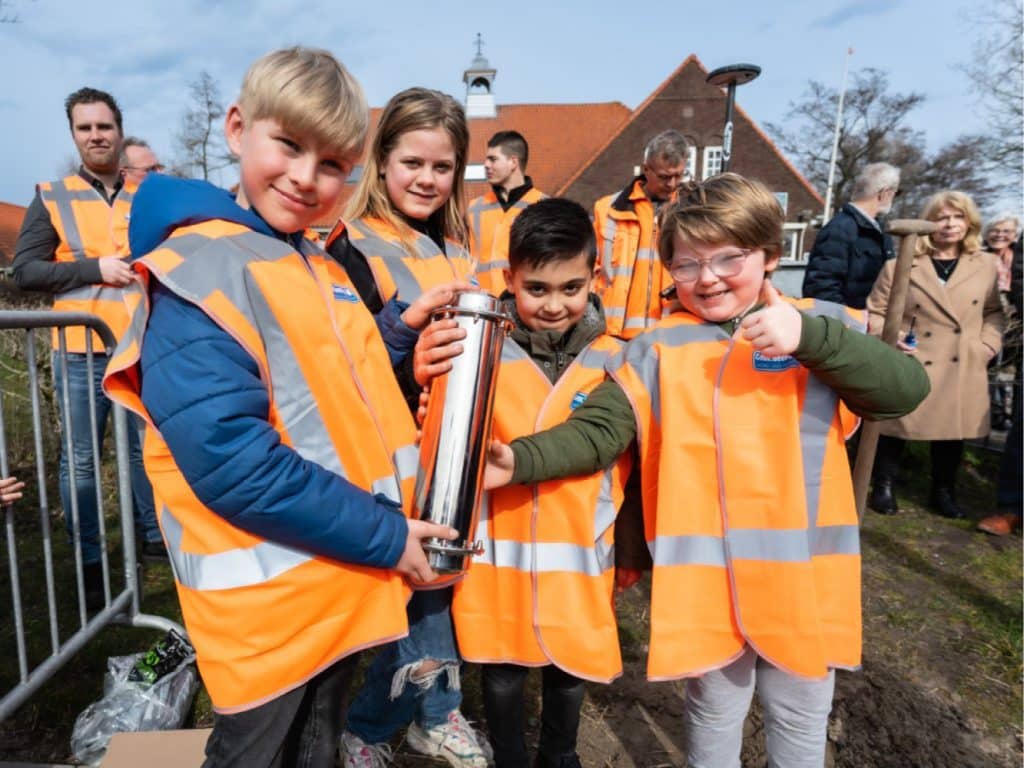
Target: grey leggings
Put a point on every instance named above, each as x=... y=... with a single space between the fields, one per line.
x=795 y=714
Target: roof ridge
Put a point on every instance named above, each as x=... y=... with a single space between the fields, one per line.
x=632 y=118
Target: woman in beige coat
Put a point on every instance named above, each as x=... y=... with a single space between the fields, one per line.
x=953 y=302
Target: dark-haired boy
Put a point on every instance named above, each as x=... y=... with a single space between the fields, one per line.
x=541 y=594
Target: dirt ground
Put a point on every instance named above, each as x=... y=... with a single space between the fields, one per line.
x=940 y=685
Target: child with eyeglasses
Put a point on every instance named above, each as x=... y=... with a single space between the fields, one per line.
x=739 y=401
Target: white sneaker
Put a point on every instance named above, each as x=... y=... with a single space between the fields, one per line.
x=455 y=740
x=356 y=753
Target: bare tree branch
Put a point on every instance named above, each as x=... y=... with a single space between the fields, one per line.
x=200 y=141
x=875 y=128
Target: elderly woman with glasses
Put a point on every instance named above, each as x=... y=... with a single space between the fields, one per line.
x=953 y=304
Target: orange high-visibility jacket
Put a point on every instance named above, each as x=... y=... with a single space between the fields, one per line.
x=748 y=502
x=395 y=270
x=542 y=591
x=631 y=275
x=88 y=228
x=489 y=228
x=263 y=617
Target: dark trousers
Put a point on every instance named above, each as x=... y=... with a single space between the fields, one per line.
x=946 y=456
x=562 y=697
x=298 y=729
x=1008 y=486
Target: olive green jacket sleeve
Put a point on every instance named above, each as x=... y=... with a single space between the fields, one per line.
x=592 y=438
x=875 y=381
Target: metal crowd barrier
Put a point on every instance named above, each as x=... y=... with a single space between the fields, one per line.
x=120 y=608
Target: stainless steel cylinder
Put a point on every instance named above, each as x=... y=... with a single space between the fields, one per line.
x=457 y=430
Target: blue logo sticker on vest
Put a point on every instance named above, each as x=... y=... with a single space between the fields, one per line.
x=577 y=400
x=345 y=294
x=763 y=362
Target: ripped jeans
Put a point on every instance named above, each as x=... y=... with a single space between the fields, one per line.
x=391 y=697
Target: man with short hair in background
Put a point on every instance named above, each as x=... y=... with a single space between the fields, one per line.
x=138 y=160
x=631 y=276
x=851 y=248
x=73 y=243
x=491 y=215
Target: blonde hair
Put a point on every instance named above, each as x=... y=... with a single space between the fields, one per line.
x=727 y=208
x=413 y=109
x=310 y=93
x=958 y=201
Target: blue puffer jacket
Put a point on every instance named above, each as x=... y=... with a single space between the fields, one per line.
x=848 y=254
x=204 y=393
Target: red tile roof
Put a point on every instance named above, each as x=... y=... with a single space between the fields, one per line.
x=11 y=217
x=561 y=136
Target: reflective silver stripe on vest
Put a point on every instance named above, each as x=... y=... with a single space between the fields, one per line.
x=830 y=309
x=476 y=212
x=604 y=518
x=546 y=557
x=60 y=195
x=641 y=357
x=289 y=390
x=491 y=266
x=609 y=228
x=232 y=569
x=646 y=254
x=511 y=352
x=816 y=418
x=92 y=292
x=595 y=359
x=394 y=257
x=786 y=546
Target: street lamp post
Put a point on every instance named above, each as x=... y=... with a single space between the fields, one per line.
x=731 y=76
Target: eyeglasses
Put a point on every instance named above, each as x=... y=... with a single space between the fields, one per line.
x=721 y=264
x=155 y=168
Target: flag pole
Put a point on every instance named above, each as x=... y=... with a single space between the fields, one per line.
x=835 y=141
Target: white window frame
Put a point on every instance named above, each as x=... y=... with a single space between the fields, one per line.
x=795 y=254
x=691 y=163
x=709 y=153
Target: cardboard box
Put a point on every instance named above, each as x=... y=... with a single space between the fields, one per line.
x=157 y=749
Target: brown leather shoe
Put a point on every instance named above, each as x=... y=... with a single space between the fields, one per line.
x=1000 y=525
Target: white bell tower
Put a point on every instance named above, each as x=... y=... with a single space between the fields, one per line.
x=479 y=78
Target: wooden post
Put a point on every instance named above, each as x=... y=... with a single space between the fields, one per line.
x=909 y=229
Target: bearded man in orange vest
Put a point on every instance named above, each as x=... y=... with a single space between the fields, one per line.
x=631 y=278
x=491 y=215
x=74 y=244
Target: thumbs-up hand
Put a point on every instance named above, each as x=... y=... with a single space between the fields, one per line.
x=775 y=328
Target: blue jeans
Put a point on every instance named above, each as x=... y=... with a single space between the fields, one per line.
x=81 y=441
x=389 y=700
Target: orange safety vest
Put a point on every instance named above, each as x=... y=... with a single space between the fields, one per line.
x=89 y=228
x=489 y=228
x=395 y=270
x=542 y=591
x=748 y=502
x=264 y=617
x=631 y=275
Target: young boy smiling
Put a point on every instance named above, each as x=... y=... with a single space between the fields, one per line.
x=541 y=594
x=739 y=403
x=280 y=454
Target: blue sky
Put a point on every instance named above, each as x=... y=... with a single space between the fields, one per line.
x=146 y=52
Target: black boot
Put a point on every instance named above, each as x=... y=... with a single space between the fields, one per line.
x=882 y=499
x=887 y=461
x=946 y=456
x=943 y=501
